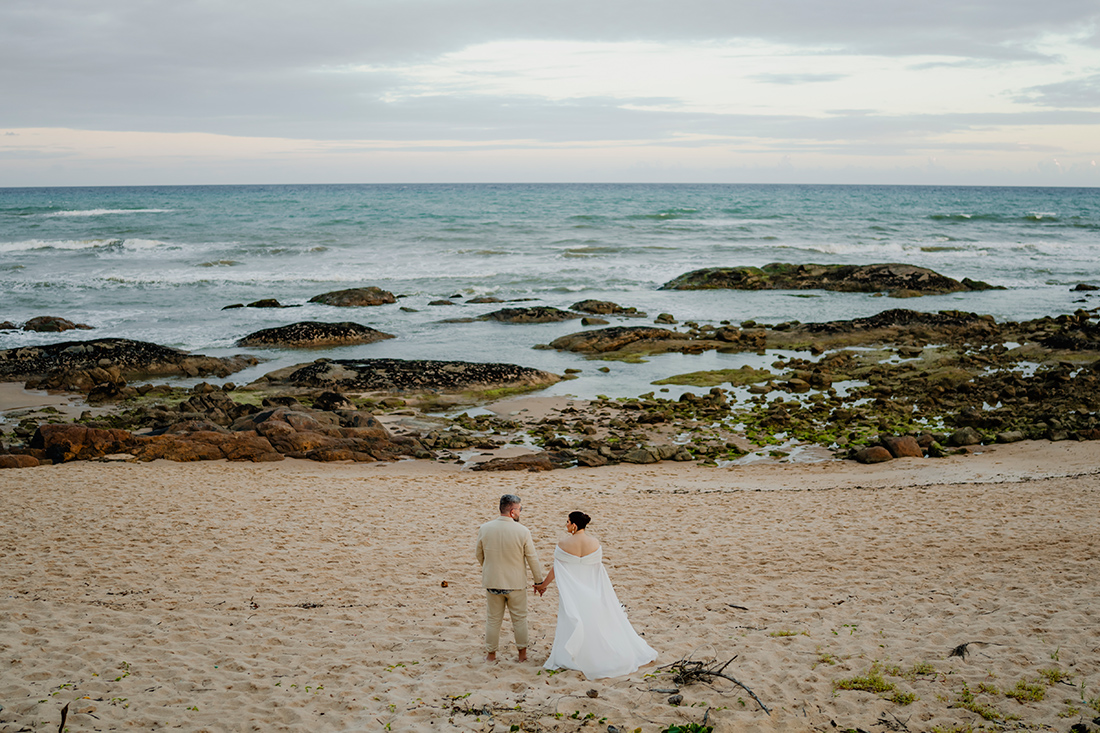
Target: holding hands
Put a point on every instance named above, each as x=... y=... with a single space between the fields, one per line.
x=540 y=588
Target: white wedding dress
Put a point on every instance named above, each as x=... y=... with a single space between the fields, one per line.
x=593 y=634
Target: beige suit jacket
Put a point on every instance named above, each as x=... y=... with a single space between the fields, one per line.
x=505 y=550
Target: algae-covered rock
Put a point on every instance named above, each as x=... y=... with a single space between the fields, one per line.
x=313 y=334
x=355 y=297
x=533 y=314
x=617 y=338
x=412 y=375
x=888 y=277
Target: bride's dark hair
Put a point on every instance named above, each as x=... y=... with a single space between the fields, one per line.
x=580 y=519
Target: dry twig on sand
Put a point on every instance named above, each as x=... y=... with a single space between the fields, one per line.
x=687 y=671
x=961 y=650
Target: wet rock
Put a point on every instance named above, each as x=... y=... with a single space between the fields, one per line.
x=68 y=442
x=618 y=338
x=665 y=318
x=266 y=303
x=1085 y=287
x=109 y=392
x=441 y=302
x=1010 y=436
x=484 y=299
x=605 y=308
x=8 y=326
x=872 y=454
x=526 y=462
x=217 y=407
x=332 y=401
x=589 y=321
x=314 y=334
x=846 y=278
x=407 y=375
x=642 y=455
x=964 y=436
x=355 y=297
x=590 y=458
x=902 y=446
x=130 y=358
x=532 y=314
x=18 y=461
x=937 y=450
x=199 y=445
x=728 y=334
x=53 y=324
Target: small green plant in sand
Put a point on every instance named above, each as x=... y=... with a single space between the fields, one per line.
x=873 y=681
x=989 y=689
x=921 y=669
x=1053 y=676
x=1070 y=712
x=953 y=729
x=966 y=700
x=688 y=728
x=785 y=632
x=1093 y=703
x=1025 y=692
x=824 y=658
x=903 y=698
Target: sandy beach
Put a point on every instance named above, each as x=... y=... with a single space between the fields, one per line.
x=304 y=596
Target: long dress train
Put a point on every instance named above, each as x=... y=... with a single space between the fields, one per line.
x=593 y=633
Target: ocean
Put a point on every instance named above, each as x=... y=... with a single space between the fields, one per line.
x=160 y=263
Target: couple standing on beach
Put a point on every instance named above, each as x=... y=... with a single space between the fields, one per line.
x=593 y=634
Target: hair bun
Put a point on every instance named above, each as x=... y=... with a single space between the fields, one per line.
x=580 y=519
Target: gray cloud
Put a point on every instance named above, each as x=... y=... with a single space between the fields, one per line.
x=797 y=79
x=1075 y=93
x=253 y=64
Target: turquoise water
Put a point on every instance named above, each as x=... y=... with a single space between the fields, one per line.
x=159 y=263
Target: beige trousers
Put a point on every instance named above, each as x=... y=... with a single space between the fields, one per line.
x=516 y=603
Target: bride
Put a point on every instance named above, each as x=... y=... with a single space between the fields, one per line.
x=593 y=634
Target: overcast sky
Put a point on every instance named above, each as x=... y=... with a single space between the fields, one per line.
x=845 y=91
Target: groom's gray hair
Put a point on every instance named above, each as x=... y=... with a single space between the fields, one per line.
x=507 y=501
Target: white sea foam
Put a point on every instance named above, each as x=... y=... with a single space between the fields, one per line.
x=107 y=212
x=64 y=244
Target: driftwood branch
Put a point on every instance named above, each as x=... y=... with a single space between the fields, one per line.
x=961 y=650
x=687 y=671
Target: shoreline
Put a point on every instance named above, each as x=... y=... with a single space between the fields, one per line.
x=220 y=595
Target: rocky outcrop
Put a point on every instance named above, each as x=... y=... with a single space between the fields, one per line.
x=69 y=442
x=621 y=338
x=355 y=297
x=606 y=308
x=57 y=366
x=267 y=435
x=314 y=334
x=18 y=461
x=532 y=314
x=407 y=375
x=528 y=462
x=320 y=436
x=889 y=277
x=895 y=326
x=53 y=324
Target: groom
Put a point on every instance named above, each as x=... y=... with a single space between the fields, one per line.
x=504 y=546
